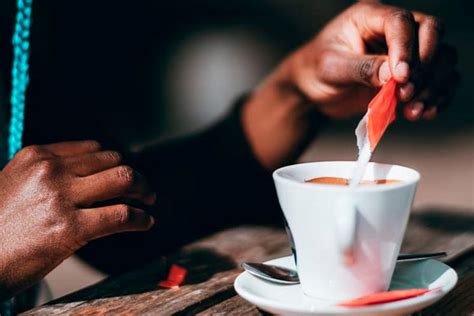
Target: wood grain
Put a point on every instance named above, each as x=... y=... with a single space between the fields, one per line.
x=213 y=265
x=461 y=300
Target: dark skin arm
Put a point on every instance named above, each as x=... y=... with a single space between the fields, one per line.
x=47 y=212
x=49 y=194
x=342 y=68
x=204 y=184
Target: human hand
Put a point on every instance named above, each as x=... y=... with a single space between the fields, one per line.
x=340 y=71
x=343 y=67
x=47 y=212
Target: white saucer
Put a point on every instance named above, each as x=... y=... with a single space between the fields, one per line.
x=290 y=300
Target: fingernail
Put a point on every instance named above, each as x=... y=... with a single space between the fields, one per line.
x=384 y=72
x=430 y=114
x=417 y=109
x=407 y=91
x=402 y=71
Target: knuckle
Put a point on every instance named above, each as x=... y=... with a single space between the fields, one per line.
x=326 y=58
x=356 y=6
x=54 y=200
x=401 y=15
x=122 y=214
x=29 y=153
x=45 y=168
x=362 y=5
x=64 y=228
x=67 y=235
x=58 y=224
x=126 y=175
x=93 y=145
x=306 y=79
x=435 y=24
x=327 y=63
x=112 y=156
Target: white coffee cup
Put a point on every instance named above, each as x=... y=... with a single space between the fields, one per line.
x=346 y=239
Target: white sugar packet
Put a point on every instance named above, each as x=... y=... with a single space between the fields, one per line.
x=364 y=151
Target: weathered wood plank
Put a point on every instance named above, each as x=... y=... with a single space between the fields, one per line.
x=440 y=229
x=461 y=300
x=234 y=306
x=213 y=265
x=430 y=229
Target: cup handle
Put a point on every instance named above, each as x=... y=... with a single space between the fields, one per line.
x=346 y=228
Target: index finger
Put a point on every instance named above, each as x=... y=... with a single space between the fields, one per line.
x=68 y=149
x=399 y=29
x=118 y=182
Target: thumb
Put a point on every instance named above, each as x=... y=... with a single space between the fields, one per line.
x=345 y=68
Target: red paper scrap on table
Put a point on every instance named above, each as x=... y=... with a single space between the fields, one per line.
x=176 y=277
x=168 y=284
x=384 y=297
x=381 y=112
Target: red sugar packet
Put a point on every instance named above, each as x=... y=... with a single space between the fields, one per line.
x=176 y=277
x=381 y=112
x=384 y=297
x=168 y=284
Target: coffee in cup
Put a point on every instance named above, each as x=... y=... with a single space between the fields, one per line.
x=345 y=239
x=345 y=181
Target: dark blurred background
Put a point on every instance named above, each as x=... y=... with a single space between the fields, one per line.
x=182 y=63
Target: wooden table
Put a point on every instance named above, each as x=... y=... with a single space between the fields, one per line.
x=213 y=264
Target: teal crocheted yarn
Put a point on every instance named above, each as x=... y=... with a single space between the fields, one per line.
x=21 y=47
x=20 y=78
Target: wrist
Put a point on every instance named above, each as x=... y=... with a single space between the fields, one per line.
x=278 y=121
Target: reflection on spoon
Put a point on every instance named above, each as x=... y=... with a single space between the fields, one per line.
x=286 y=276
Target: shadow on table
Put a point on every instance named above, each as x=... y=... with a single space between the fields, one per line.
x=445 y=219
x=202 y=264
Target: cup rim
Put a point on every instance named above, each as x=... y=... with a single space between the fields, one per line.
x=277 y=177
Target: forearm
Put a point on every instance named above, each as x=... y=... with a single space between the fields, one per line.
x=204 y=183
x=278 y=120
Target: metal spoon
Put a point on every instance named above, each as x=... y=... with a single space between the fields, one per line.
x=282 y=275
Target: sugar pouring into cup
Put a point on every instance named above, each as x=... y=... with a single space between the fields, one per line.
x=380 y=114
x=345 y=232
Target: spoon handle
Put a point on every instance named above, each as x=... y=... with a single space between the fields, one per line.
x=420 y=256
x=288 y=276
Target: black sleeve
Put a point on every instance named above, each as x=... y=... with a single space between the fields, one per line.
x=204 y=183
